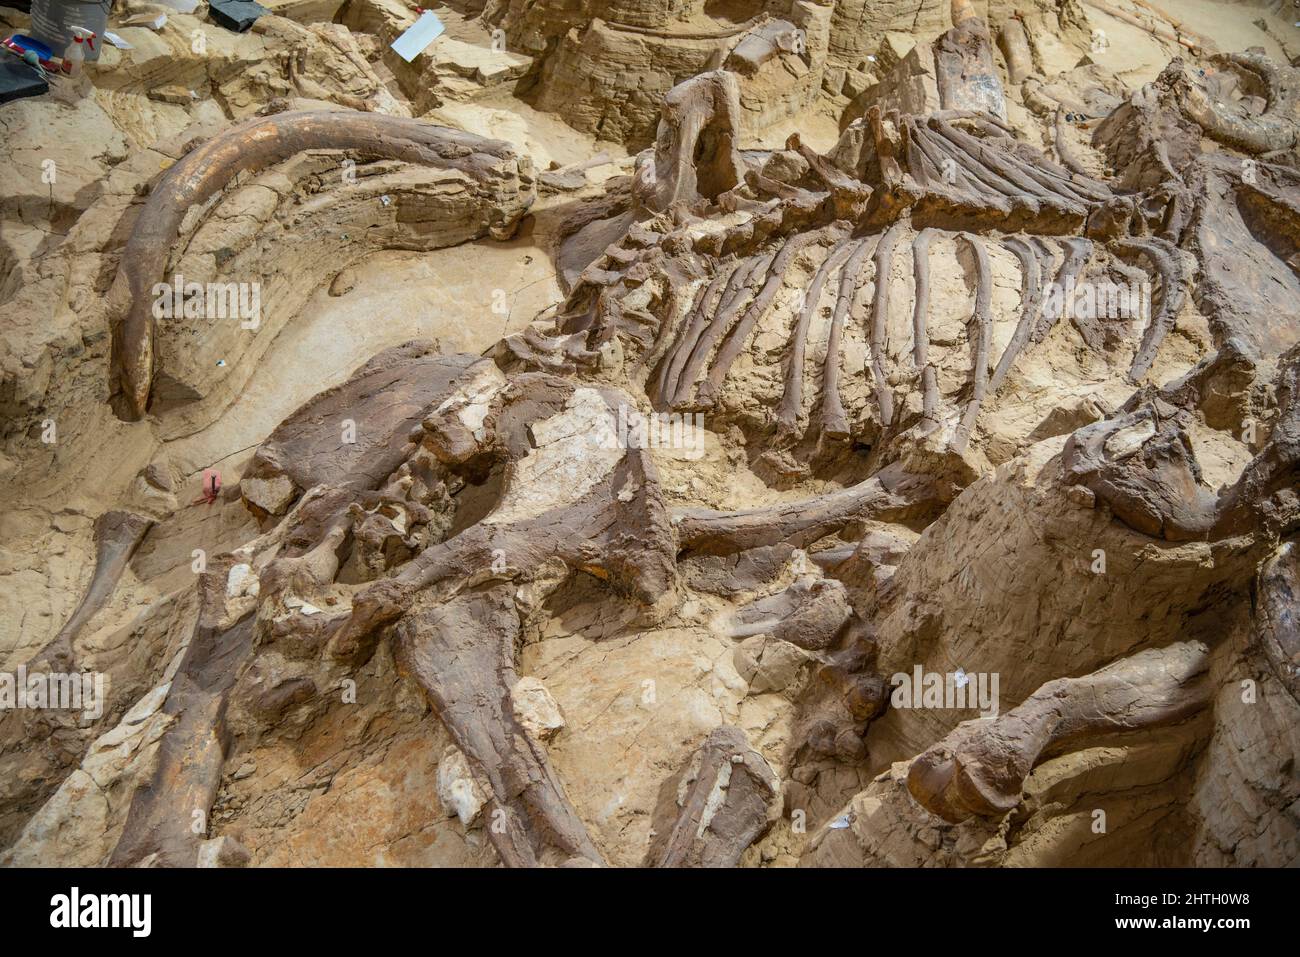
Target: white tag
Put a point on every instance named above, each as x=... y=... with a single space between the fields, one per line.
x=418 y=36
x=145 y=20
x=117 y=41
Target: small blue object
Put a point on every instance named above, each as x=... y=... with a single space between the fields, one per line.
x=26 y=43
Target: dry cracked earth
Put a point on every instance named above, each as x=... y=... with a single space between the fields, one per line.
x=689 y=433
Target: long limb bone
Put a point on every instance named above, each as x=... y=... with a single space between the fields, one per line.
x=462 y=652
x=891 y=492
x=160 y=823
x=252 y=145
x=117 y=536
x=1192 y=43
x=191 y=755
x=725 y=797
x=979 y=769
x=35 y=742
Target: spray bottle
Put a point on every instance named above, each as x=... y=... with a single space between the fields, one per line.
x=74 y=57
x=75 y=54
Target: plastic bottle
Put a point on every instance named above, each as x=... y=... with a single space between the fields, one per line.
x=78 y=84
x=74 y=56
